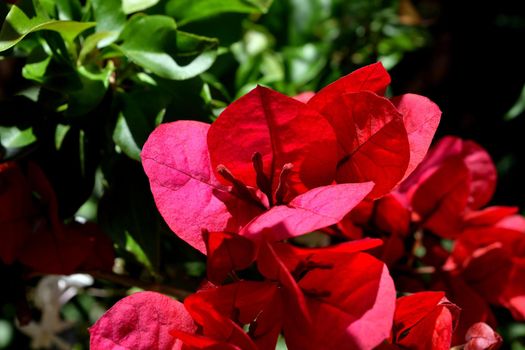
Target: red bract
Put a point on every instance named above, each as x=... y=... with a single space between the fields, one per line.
x=186 y=192
x=190 y=198
x=141 y=321
x=33 y=234
x=378 y=140
x=326 y=298
x=271 y=168
x=227 y=252
x=268 y=162
x=424 y=320
x=481 y=337
x=263 y=132
x=320 y=298
x=490 y=259
x=456 y=177
x=441 y=199
x=315 y=209
x=220 y=310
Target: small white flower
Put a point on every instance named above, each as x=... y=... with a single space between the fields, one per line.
x=51 y=293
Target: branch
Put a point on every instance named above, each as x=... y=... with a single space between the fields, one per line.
x=131 y=282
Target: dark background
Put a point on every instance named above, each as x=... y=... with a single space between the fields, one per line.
x=474 y=70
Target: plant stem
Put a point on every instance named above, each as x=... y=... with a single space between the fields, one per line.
x=131 y=282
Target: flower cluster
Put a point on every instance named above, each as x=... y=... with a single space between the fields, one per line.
x=439 y=236
x=346 y=163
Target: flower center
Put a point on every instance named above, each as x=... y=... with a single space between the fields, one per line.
x=264 y=184
x=239 y=189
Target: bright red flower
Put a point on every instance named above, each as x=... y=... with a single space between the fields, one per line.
x=149 y=320
x=274 y=143
x=227 y=252
x=331 y=295
x=320 y=298
x=456 y=177
x=267 y=164
x=491 y=260
x=262 y=189
x=220 y=310
x=141 y=321
x=424 y=320
x=379 y=140
x=264 y=171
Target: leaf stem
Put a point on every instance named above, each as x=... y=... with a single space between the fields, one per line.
x=127 y=281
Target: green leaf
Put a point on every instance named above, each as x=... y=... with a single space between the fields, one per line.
x=127 y=209
x=305 y=63
x=57 y=77
x=17 y=25
x=45 y=8
x=153 y=42
x=134 y=248
x=6 y=333
x=92 y=42
x=69 y=9
x=149 y=33
x=60 y=133
x=305 y=20
x=95 y=83
x=518 y=107
x=138 y=110
x=36 y=66
x=131 y=6
x=124 y=139
x=12 y=137
x=195 y=268
x=110 y=18
x=185 y=11
x=281 y=344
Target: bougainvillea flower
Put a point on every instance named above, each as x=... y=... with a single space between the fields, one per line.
x=142 y=321
x=490 y=259
x=266 y=150
x=473 y=307
x=424 y=320
x=33 y=234
x=481 y=168
x=386 y=218
x=486 y=267
x=352 y=289
x=455 y=178
x=482 y=337
x=274 y=143
x=208 y=319
x=379 y=140
x=441 y=199
x=220 y=310
x=336 y=295
x=81 y=247
x=495 y=216
x=189 y=196
x=227 y=252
